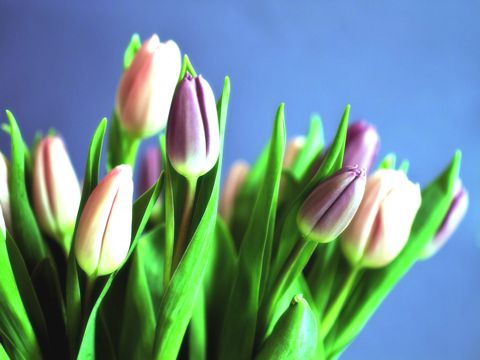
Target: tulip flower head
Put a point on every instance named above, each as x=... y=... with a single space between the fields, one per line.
x=381 y=227
x=150 y=168
x=331 y=206
x=453 y=218
x=362 y=145
x=146 y=88
x=56 y=190
x=4 y=193
x=193 y=141
x=294 y=146
x=104 y=230
x=235 y=179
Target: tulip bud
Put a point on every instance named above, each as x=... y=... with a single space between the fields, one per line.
x=145 y=91
x=456 y=212
x=293 y=148
x=4 y=193
x=193 y=141
x=362 y=145
x=381 y=227
x=232 y=185
x=331 y=206
x=104 y=230
x=56 y=191
x=3 y=229
x=150 y=168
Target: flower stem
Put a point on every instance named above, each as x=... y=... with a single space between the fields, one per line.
x=87 y=298
x=337 y=306
x=184 y=225
x=131 y=150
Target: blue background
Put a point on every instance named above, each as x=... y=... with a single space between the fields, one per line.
x=411 y=67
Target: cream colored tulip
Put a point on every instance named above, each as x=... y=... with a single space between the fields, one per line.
x=381 y=227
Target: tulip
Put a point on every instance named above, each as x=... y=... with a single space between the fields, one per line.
x=235 y=179
x=3 y=228
x=331 y=206
x=293 y=148
x=193 y=142
x=456 y=212
x=56 y=190
x=362 y=145
x=381 y=227
x=146 y=88
x=4 y=193
x=150 y=168
x=104 y=230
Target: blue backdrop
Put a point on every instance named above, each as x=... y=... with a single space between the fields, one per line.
x=411 y=67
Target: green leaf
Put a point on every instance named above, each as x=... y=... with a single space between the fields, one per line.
x=376 y=284
x=73 y=295
x=294 y=336
x=145 y=274
x=219 y=276
x=50 y=296
x=3 y=353
x=142 y=209
x=404 y=166
x=197 y=339
x=179 y=298
x=131 y=50
x=25 y=228
x=186 y=67
x=388 y=161
x=27 y=291
x=311 y=150
x=241 y=316
x=14 y=323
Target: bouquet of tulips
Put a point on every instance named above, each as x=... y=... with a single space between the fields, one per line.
x=288 y=261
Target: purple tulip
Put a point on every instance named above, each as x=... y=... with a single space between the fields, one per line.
x=150 y=168
x=193 y=141
x=455 y=214
x=331 y=206
x=362 y=145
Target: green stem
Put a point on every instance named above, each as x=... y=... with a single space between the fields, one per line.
x=337 y=306
x=295 y=263
x=131 y=149
x=87 y=298
x=184 y=225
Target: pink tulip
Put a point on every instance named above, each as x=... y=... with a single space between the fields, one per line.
x=146 y=88
x=293 y=149
x=234 y=181
x=381 y=227
x=56 y=191
x=104 y=230
x=4 y=193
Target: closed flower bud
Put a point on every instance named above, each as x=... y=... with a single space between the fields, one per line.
x=293 y=148
x=145 y=91
x=331 y=206
x=193 y=142
x=56 y=191
x=150 y=168
x=3 y=229
x=4 y=193
x=362 y=145
x=235 y=178
x=456 y=212
x=104 y=230
x=381 y=227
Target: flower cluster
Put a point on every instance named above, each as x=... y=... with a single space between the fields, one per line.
x=289 y=260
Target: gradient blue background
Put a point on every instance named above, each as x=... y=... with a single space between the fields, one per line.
x=411 y=67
